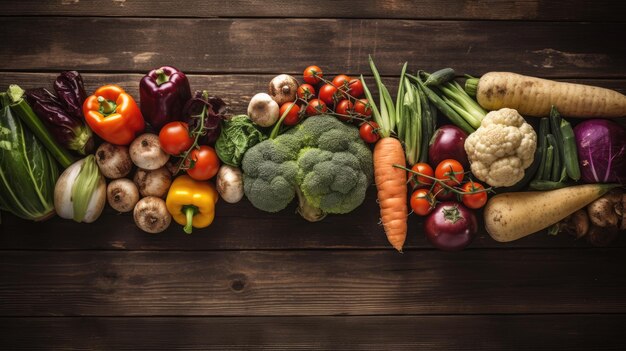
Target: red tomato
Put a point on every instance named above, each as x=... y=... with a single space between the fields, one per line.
x=356 y=88
x=422 y=202
x=343 y=109
x=312 y=74
x=369 y=132
x=174 y=138
x=441 y=193
x=362 y=107
x=293 y=117
x=316 y=107
x=341 y=81
x=450 y=172
x=476 y=200
x=328 y=94
x=205 y=163
x=420 y=181
x=306 y=92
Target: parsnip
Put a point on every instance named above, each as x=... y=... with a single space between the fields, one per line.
x=511 y=216
x=532 y=96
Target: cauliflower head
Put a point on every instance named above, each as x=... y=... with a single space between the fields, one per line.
x=322 y=160
x=501 y=148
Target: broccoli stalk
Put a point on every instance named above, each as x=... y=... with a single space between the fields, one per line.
x=307 y=210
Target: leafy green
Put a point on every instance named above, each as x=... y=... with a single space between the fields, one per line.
x=238 y=135
x=28 y=172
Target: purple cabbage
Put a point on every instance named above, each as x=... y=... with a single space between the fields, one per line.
x=213 y=115
x=601 y=151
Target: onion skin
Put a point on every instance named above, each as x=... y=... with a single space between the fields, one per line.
x=448 y=141
x=450 y=235
x=601 y=148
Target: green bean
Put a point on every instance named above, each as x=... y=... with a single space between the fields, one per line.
x=570 y=152
x=544 y=125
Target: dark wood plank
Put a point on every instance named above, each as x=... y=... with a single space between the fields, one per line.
x=578 y=10
x=242 y=227
x=253 y=283
x=256 y=46
x=235 y=89
x=504 y=332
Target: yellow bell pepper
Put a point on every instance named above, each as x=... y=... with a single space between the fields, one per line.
x=191 y=202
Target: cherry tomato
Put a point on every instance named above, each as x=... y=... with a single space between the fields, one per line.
x=343 y=109
x=369 y=132
x=341 y=81
x=293 y=117
x=474 y=201
x=312 y=74
x=422 y=202
x=362 y=107
x=450 y=172
x=328 y=94
x=442 y=193
x=306 y=92
x=174 y=138
x=316 y=107
x=420 y=181
x=356 y=88
x=205 y=163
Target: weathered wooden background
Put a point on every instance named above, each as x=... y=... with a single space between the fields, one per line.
x=275 y=281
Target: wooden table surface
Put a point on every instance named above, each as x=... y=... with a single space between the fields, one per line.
x=274 y=281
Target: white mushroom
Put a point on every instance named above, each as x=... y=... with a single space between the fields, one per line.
x=113 y=160
x=283 y=88
x=122 y=195
x=146 y=152
x=153 y=182
x=262 y=110
x=151 y=215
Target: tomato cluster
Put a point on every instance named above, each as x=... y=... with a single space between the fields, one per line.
x=445 y=182
x=202 y=162
x=342 y=97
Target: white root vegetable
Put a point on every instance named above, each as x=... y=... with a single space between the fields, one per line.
x=153 y=182
x=263 y=110
x=146 y=152
x=80 y=191
x=122 y=195
x=151 y=215
x=511 y=216
x=283 y=88
x=114 y=160
x=229 y=184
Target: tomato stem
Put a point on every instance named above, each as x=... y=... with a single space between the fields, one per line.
x=197 y=132
x=443 y=184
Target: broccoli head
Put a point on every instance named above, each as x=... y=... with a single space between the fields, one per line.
x=322 y=160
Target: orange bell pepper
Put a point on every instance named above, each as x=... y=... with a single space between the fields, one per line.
x=113 y=114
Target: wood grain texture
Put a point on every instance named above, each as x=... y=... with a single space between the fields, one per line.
x=235 y=89
x=256 y=283
x=578 y=10
x=569 y=50
x=488 y=332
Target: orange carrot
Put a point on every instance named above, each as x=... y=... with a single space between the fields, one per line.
x=391 y=185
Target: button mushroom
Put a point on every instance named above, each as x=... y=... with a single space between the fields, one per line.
x=283 y=88
x=151 y=215
x=146 y=152
x=262 y=110
x=122 y=195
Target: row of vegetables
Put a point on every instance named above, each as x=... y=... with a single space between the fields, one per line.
x=437 y=150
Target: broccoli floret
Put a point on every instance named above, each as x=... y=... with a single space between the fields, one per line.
x=321 y=160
